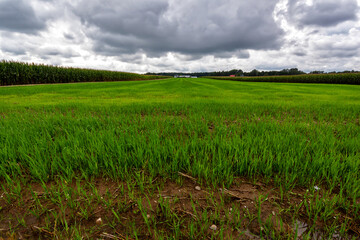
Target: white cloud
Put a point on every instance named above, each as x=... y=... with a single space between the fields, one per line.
x=189 y=35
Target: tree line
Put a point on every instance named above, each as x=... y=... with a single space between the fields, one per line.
x=241 y=73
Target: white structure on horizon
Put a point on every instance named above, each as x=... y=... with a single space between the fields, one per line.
x=184 y=76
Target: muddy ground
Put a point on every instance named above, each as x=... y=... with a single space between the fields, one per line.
x=102 y=208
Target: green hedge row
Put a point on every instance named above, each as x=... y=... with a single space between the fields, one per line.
x=17 y=73
x=339 y=78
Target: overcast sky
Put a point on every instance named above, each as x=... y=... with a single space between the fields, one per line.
x=183 y=35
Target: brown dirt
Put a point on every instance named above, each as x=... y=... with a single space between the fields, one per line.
x=183 y=198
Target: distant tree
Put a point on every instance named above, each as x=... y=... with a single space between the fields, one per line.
x=233 y=72
x=295 y=71
x=254 y=73
x=317 y=72
x=239 y=73
x=348 y=71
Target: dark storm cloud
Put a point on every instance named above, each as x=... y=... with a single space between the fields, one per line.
x=299 y=53
x=69 y=36
x=323 y=13
x=19 y=16
x=58 y=52
x=131 y=58
x=18 y=44
x=16 y=50
x=201 y=27
x=237 y=54
x=337 y=50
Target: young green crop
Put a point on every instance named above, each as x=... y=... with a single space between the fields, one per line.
x=211 y=129
x=216 y=131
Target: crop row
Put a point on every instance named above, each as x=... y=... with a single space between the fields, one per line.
x=340 y=78
x=17 y=73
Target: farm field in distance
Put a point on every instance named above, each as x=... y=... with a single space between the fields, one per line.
x=180 y=159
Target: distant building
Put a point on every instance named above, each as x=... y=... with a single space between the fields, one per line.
x=232 y=75
x=184 y=76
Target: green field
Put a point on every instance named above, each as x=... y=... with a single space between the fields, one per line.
x=67 y=149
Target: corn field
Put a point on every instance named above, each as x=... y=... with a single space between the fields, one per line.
x=17 y=73
x=339 y=78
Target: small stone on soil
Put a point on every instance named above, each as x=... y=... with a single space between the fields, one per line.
x=213 y=227
x=198 y=188
x=98 y=221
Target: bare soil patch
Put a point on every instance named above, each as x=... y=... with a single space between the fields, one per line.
x=106 y=209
